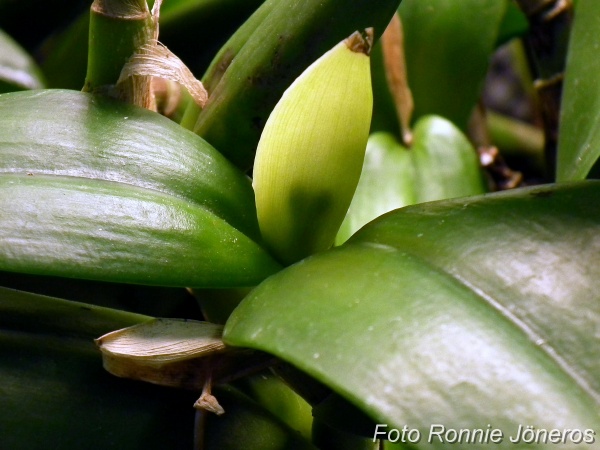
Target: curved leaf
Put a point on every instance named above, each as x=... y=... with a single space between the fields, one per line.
x=102 y=230
x=55 y=393
x=292 y=36
x=70 y=133
x=464 y=313
x=387 y=182
x=17 y=69
x=578 y=148
x=446 y=164
x=441 y=164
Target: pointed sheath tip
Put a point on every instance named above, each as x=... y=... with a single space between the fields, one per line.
x=360 y=42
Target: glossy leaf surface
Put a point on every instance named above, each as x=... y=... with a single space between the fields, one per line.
x=70 y=133
x=95 y=189
x=440 y=164
x=446 y=164
x=17 y=69
x=102 y=230
x=579 y=137
x=463 y=312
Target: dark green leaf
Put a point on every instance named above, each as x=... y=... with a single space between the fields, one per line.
x=440 y=164
x=56 y=394
x=464 y=313
x=578 y=148
x=69 y=133
x=448 y=46
x=103 y=230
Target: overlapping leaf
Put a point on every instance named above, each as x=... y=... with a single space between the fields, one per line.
x=440 y=164
x=464 y=313
x=96 y=189
x=56 y=394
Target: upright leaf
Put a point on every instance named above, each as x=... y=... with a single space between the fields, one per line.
x=448 y=46
x=579 y=137
x=441 y=164
x=95 y=189
x=294 y=34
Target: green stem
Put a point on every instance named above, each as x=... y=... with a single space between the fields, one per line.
x=117 y=29
x=514 y=137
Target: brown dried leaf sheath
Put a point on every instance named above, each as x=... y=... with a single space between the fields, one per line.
x=177 y=353
x=156 y=60
x=163 y=341
x=392 y=43
x=360 y=42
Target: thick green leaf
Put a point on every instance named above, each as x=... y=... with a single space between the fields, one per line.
x=102 y=230
x=579 y=137
x=387 y=182
x=446 y=164
x=70 y=133
x=294 y=34
x=448 y=46
x=463 y=313
x=17 y=69
x=28 y=311
x=55 y=393
x=441 y=164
